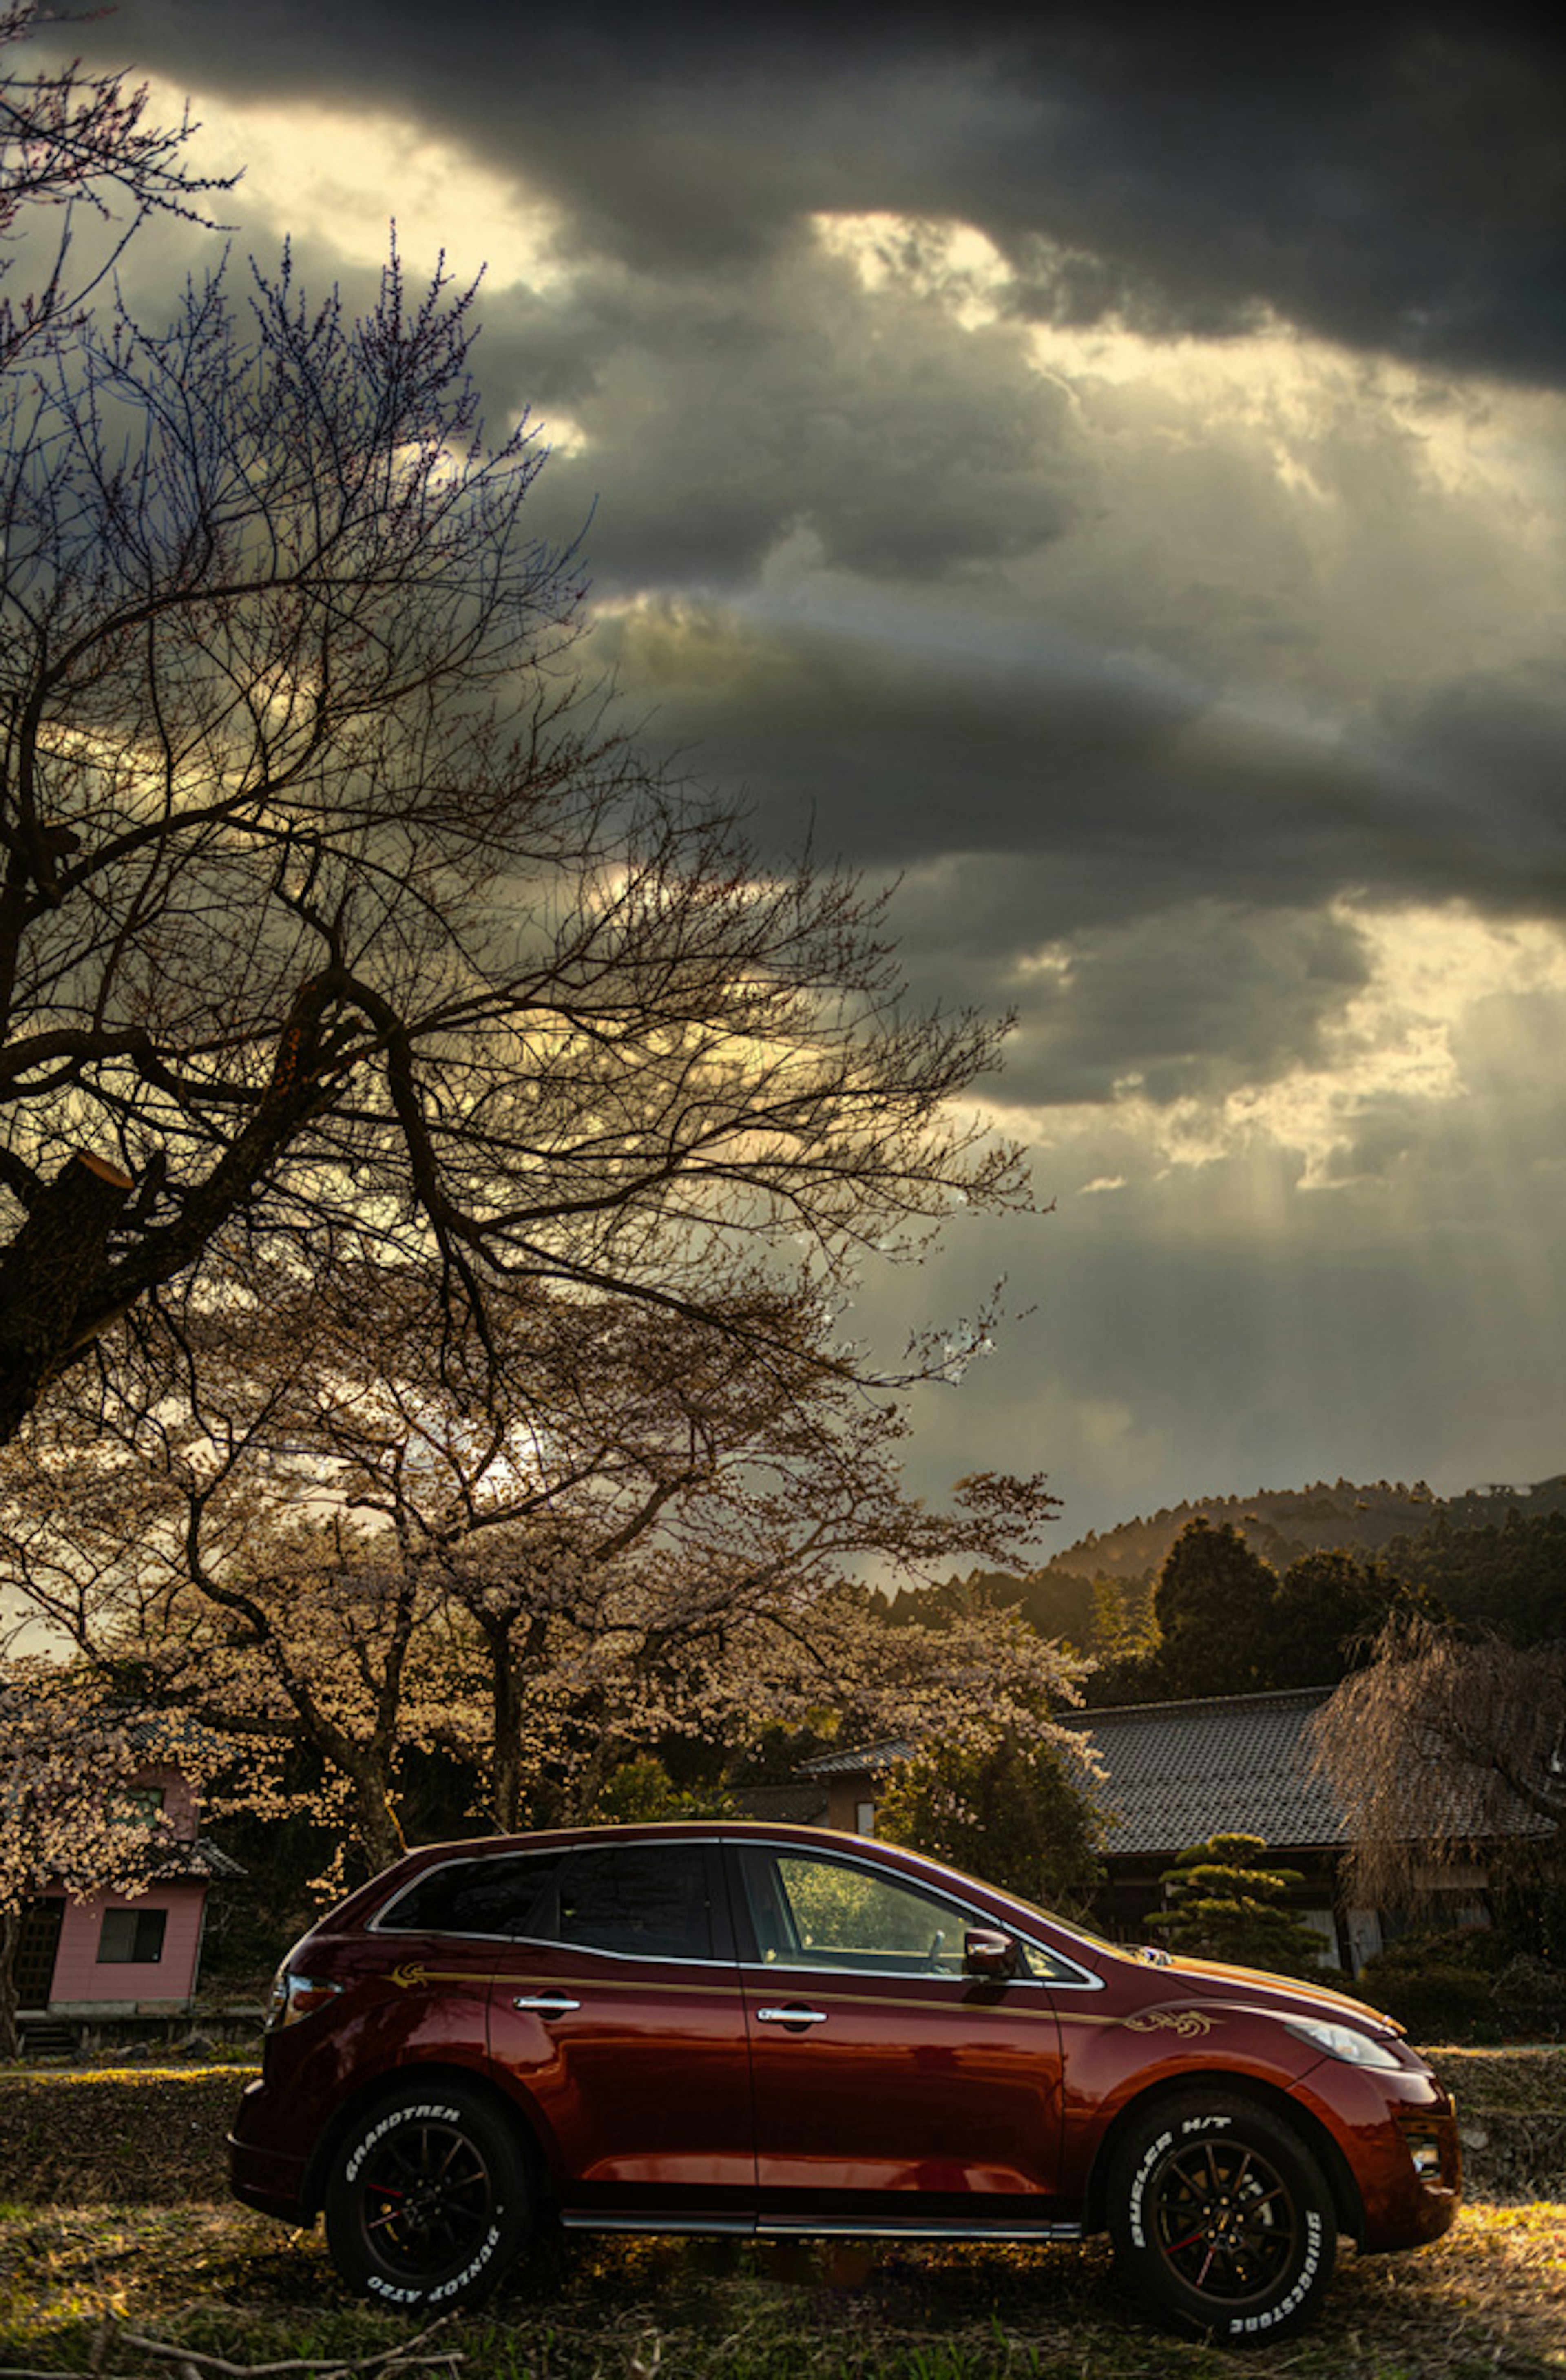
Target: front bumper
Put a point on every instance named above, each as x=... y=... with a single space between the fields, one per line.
x=1386 y=2125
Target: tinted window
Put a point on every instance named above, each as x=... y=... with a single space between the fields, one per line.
x=646 y=1900
x=481 y=1896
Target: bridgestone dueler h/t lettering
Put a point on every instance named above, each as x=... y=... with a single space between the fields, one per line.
x=1221 y=2217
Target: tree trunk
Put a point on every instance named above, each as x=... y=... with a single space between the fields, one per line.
x=506 y=1773
x=380 y=1835
x=594 y=1776
x=10 y=1943
x=46 y=1275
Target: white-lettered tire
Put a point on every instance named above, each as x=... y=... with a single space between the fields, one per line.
x=1222 y=2218
x=429 y=2199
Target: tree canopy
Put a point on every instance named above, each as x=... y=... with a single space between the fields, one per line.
x=537 y=1556
x=1015 y=1809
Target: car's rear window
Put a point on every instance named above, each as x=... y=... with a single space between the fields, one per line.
x=496 y=1894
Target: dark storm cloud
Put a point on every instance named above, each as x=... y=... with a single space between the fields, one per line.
x=1395 y=180
x=1201 y=690
x=728 y=410
x=1110 y=788
x=1192 y=1003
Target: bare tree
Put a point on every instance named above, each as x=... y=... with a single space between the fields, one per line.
x=1441 y=1746
x=330 y=919
x=73 y=143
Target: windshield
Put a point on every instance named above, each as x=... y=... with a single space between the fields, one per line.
x=1072 y=1927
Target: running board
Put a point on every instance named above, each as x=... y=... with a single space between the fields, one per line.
x=739 y=2227
x=787 y=2227
x=911 y=2228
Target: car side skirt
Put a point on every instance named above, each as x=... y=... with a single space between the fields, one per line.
x=785 y=2227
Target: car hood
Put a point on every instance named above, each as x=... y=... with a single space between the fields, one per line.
x=1210 y=1979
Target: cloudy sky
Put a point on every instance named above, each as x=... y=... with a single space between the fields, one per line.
x=1111 y=479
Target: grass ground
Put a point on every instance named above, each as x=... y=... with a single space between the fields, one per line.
x=77 y=2286
x=115 y=2229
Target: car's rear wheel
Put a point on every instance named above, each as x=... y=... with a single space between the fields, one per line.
x=1222 y=2218
x=429 y=2199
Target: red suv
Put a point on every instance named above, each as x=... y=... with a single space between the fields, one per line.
x=772 y=2030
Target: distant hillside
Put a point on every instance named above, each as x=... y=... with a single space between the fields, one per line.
x=1283 y=1523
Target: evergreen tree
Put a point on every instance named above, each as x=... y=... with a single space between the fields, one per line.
x=1212 y=1604
x=1226 y=1898
x=1327 y=1612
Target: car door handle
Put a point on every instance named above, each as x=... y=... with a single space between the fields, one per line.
x=546 y=2003
x=791 y=2016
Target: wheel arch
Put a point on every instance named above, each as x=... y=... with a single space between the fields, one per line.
x=1306 y=2127
x=521 y=2119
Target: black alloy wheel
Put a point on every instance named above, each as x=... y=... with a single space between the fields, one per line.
x=428 y=2203
x=1219 y=2214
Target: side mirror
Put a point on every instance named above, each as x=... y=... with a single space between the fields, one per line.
x=993 y=1955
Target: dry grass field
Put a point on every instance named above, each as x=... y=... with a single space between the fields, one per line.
x=114 y=2231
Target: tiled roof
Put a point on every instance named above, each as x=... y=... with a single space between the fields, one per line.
x=1179 y=1772
x=201 y=1858
x=862 y=1760
x=790 y=1805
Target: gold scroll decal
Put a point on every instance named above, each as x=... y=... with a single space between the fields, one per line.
x=1186 y=2022
x=410 y=1977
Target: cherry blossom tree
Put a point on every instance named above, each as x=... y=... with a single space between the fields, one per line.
x=434 y=1149
x=332 y=919
x=75 y=144
x=330 y=1538
x=68 y=1821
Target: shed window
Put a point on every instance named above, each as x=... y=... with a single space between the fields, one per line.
x=132 y=1937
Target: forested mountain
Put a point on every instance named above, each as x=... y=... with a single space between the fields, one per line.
x=1283 y=1523
x=1283 y=1588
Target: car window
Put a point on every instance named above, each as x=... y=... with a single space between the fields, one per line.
x=647 y=1900
x=1045 y=1967
x=496 y=1894
x=823 y=1913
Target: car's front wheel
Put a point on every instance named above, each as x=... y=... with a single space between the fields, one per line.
x=1222 y=2218
x=429 y=2199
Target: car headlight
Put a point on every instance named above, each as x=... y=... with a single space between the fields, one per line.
x=1344 y=2041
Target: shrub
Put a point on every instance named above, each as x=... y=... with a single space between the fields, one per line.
x=1530 y=1998
x=1441 y=1986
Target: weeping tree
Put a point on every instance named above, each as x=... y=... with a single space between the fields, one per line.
x=1444 y=1746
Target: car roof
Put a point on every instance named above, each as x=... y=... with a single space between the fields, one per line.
x=428 y=1855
